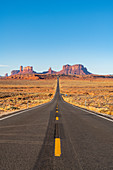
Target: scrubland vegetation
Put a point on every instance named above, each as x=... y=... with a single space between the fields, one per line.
x=96 y=94
x=21 y=94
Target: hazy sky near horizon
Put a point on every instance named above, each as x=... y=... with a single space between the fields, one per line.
x=51 y=33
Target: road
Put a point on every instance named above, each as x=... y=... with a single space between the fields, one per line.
x=56 y=136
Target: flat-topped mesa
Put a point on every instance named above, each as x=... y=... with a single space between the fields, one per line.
x=23 y=70
x=77 y=69
x=28 y=69
x=66 y=69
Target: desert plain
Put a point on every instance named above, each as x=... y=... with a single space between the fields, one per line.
x=92 y=94
x=22 y=94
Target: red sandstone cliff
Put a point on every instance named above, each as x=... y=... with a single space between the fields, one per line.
x=23 y=70
x=77 y=69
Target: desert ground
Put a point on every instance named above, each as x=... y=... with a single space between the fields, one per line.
x=95 y=94
x=22 y=94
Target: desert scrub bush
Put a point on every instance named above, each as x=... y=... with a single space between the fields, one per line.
x=14 y=108
x=111 y=109
x=50 y=94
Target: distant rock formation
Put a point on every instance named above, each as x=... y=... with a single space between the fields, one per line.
x=28 y=69
x=23 y=70
x=50 y=71
x=6 y=75
x=77 y=69
x=13 y=72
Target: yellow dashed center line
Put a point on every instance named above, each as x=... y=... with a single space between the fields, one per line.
x=57 y=147
x=57 y=118
x=56 y=111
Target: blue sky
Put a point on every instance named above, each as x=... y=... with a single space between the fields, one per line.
x=46 y=33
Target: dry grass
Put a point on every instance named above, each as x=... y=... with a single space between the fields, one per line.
x=21 y=94
x=97 y=94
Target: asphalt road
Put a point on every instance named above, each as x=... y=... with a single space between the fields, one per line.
x=27 y=139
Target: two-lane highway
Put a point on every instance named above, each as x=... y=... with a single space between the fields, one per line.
x=56 y=135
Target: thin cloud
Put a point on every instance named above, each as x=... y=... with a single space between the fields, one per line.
x=4 y=66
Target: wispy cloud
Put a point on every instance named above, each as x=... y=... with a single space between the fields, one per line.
x=4 y=66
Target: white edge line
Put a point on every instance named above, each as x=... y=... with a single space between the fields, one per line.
x=96 y=114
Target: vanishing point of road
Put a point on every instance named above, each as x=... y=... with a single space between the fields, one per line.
x=56 y=136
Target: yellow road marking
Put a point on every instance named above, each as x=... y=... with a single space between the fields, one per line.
x=57 y=118
x=57 y=147
x=56 y=111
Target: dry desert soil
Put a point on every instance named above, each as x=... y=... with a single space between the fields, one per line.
x=95 y=94
x=22 y=94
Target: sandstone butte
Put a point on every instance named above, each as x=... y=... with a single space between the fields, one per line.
x=29 y=73
x=77 y=70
